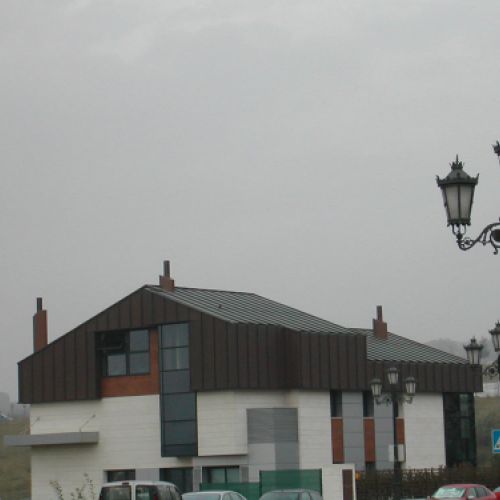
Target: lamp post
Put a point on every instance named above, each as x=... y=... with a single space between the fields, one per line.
x=473 y=350
x=394 y=397
x=457 y=189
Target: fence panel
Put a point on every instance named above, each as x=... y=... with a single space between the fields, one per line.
x=284 y=479
x=251 y=491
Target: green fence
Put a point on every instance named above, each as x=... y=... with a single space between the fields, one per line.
x=309 y=479
x=272 y=480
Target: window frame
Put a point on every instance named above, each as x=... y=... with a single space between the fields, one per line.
x=127 y=352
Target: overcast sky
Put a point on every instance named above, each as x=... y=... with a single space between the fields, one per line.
x=287 y=148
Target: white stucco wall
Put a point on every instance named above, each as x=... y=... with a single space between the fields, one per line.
x=315 y=432
x=424 y=431
x=129 y=437
x=222 y=419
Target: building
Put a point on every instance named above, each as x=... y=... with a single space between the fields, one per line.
x=195 y=385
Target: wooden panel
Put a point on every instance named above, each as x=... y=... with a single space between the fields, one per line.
x=369 y=433
x=69 y=366
x=263 y=356
x=293 y=366
x=352 y=363
x=182 y=313
x=136 y=385
x=361 y=381
x=253 y=358
x=422 y=378
x=324 y=362
x=124 y=310
x=158 y=309
x=102 y=321
x=59 y=373
x=400 y=430
x=81 y=364
x=221 y=354
x=207 y=333
x=305 y=360
x=242 y=335
x=37 y=377
x=334 y=361
x=337 y=441
x=147 y=309
x=347 y=484
x=232 y=356
x=438 y=377
x=171 y=312
x=93 y=366
x=114 y=318
x=342 y=361
x=25 y=370
x=48 y=373
x=195 y=351
x=315 y=361
x=136 y=310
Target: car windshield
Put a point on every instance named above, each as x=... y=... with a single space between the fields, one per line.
x=449 y=492
x=281 y=495
x=119 y=492
x=201 y=496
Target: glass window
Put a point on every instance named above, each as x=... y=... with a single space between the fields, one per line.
x=117 y=364
x=116 y=493
x=179 y=406
x=120 y=475
x=139 y=340
x=368 y=404
x=179 y=432
x=139 y=363
x=221 y=474
x=175 y=335
x=143 y=492
x=336 y=403
x=125 y=353
x=182 y=477
x=176 y=381
x=176 y=359
x=232 y=474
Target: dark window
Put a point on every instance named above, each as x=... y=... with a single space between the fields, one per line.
x=459 y=428
x=178 y=402
x=221 y=474
x=125 y=353
x=336 y=403
x=143 y=492
x=120 y=475
x=368 y=404
x=370 y=467
x=182 y=477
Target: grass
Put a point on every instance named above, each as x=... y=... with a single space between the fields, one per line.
x=487 y=418
x=15 y=482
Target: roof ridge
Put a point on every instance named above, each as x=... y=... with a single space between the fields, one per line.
x=203 y=289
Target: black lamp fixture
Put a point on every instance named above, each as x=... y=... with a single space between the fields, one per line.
x=394 y=397
x=473 y=350
x=457 y=189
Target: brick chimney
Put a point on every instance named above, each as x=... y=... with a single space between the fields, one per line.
x=379 y=325
x=166 y=282
x=39 y=326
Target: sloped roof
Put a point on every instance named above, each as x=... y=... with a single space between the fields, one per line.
x=397 y=348
x=243 y=307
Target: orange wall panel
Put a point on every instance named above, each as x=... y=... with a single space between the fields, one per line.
x=337 y=440
x=369 y=430
x=400 y=430
x=136 y=385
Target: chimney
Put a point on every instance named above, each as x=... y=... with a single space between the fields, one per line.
x=379 y=325
x=166 y=282
x=39 y=326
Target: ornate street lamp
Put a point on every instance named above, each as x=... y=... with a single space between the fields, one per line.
x=394 y=397
x=457 y=189
x=495 y=339
x=473 y=350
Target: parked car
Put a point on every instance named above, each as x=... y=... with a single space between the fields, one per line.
x=213 y=495
x=292 y=494
x=139 y=490
x=497 y=492
x=465 y=491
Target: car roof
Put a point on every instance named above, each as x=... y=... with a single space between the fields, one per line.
x=133 y=482
x=209 y=491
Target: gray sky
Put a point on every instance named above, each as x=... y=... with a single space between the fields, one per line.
x=287 y=148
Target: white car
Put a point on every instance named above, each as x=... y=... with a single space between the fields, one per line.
x=139 y=490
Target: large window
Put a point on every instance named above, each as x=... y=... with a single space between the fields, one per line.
x=221 y=475
x=178 y=402
x=125 y=353
x=459 y=428
x=182 y=477
x=120 y=475
x=335 y=404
